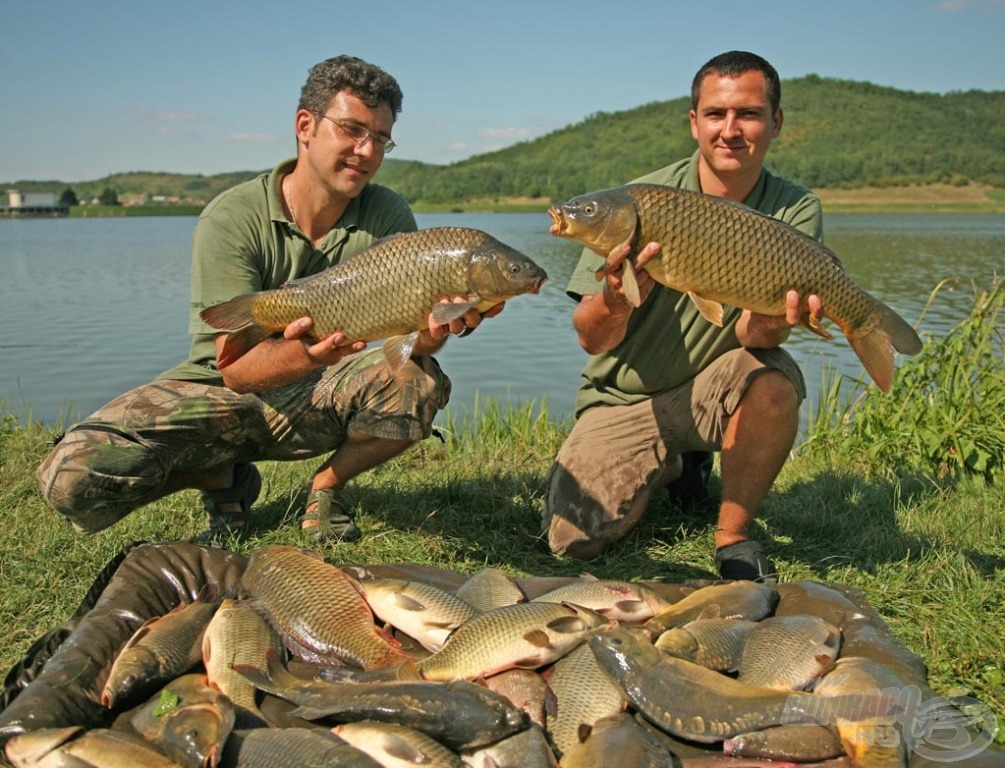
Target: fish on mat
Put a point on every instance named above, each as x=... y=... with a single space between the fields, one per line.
x=385 y=292
x=721 y=252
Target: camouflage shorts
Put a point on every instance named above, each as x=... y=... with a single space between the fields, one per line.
x=122 y=456
x=616 y=456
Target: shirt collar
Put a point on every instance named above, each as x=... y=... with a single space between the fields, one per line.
x=274 y=193
x=753 y=199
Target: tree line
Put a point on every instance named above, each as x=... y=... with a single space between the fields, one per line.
x=837 y=133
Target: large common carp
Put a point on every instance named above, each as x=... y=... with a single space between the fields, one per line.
x=721 y=252
x=318 y=611
x=385 y=292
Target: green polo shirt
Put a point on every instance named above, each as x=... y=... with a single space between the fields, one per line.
x=668 y=341
x=243 y=243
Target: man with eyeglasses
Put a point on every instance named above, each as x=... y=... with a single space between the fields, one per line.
x=663 y=387
x=290 y=397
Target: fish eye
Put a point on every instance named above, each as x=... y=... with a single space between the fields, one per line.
x=588 y=209
x=515 y=269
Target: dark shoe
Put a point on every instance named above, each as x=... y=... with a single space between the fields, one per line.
x=690 y=490
x=222 y=525
x=745 y=561
x=334 y=522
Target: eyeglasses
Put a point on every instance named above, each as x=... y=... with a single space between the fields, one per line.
x=361 y=135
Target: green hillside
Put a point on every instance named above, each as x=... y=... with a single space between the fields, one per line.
x=837 y=134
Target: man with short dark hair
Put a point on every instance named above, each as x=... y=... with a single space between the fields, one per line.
x=292 y=396
x=662 y=384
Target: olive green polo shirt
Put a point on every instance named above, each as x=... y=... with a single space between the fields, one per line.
x=244 y=243
x=668 y=341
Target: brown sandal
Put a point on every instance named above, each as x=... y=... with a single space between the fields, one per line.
x=333 y=522
x=247 y=485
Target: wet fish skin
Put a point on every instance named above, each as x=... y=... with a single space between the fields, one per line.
x=687 y=700
x=490 y=588
x=528 y=748
x=397 y=746
x=194 y=728
x=526 y=635
x=526 y=690
x=585 y=694
x=721 y=252
x=163 y=648
x=788 y=653
x=385 y=292
x=712 y=643
x=422 y=611
x=735 y=600
x=799 y=743
x=317 y=609
x=617 y=741
x=237 y=634
x=75 y=747
x=871 y=742
x=286 y=747
x=617 y=600
x=460 y=714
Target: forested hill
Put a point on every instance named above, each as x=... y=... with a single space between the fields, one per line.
x=837 y=133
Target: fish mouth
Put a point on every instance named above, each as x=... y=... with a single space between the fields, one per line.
x=536 y=287
x=559 y=223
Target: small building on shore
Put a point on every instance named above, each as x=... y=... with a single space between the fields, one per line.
x=15 y=203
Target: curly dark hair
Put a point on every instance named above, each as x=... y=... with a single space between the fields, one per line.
x=348 y=73
x=733 y=63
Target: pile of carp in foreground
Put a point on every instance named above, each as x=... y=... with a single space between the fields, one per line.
x=317 y=665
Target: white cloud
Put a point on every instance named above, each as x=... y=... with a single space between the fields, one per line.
x=503 y=133
x=457 y=146
x=252 y=137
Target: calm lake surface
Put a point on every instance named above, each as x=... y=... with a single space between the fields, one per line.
x=93 y=307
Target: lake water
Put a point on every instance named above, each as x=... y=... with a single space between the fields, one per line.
x=93 y=307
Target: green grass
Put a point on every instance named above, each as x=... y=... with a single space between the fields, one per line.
x=922 y=538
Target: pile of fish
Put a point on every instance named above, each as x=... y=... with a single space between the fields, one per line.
x=314 y=664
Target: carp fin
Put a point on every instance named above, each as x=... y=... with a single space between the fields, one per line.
x=406 y=603
x=630 y=284
x=240 y=342
x=398 y=349
x=710 y=309
x=814 y=325
x=538 y=638
x=443 y=313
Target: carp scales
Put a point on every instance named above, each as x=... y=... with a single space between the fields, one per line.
x=385 y=292
x=318 y=611
x=525 y=635
x=691 y=702
x=721 y=252
x=163 y=648
x=423 y=611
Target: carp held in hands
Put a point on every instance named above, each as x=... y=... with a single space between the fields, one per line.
x=386 y=291
x=721 y=252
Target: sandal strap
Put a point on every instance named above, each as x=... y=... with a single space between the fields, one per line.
x=333 y=521
x=245 y=490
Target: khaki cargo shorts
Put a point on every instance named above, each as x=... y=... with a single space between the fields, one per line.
x=121 y=457
x=615 y=457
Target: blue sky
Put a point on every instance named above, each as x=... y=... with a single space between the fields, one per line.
x=93 y=87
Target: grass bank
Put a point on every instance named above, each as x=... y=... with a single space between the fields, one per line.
x=919 y=533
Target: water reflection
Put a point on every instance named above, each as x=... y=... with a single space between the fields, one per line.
x=92 y=307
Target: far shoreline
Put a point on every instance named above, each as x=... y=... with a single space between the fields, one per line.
x=932 y=198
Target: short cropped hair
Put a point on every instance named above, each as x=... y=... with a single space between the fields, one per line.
x=733 y=64
x=365 y=81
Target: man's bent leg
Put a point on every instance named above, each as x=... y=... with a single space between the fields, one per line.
x=376 y=413
x=145 y=444
x=603 y=477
